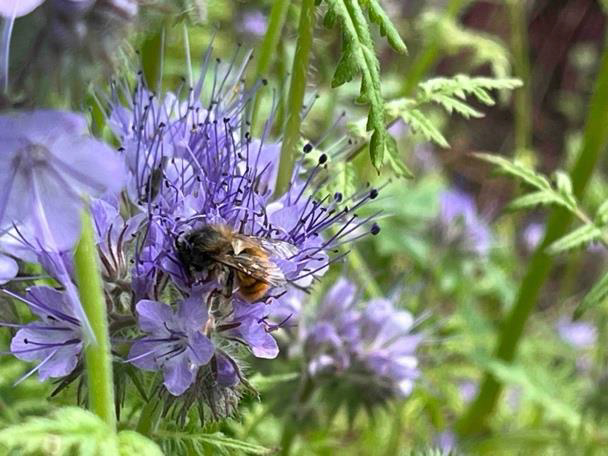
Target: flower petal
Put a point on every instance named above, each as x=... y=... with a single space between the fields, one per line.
x=178 y=374
x=152 y=315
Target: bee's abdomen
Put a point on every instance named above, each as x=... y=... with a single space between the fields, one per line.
x=251 y=288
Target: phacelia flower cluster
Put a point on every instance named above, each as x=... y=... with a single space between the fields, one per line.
x=194 y=243
x=369 y=347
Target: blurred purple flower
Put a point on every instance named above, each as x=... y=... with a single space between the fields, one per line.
x=460 y=223
x=254 y=23
x=376 y=343
x=47 y=167
x=579 y=334
x=174 y=343
x=55 y=339
x=18 y=8
x=532 y=235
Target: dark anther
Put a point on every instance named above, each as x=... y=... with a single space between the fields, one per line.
x=338 y=197
x=322 y=159
x=25 y=341
x=373 y=194
x=307 y=148
x=375 y=229
x=265 y=81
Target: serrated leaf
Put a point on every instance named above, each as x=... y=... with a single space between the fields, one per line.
x=576 y=238
x=601 y=215
x=379 y=17
x=358 y=48
x=596 y=296
x=533 y=199
x=564 y=187
x=519 y=170
x=393 y=159
x=216 y=440
x=419 y=123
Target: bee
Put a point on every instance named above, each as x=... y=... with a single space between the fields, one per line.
x=233 y=258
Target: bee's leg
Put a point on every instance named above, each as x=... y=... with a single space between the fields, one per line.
x=229 y=284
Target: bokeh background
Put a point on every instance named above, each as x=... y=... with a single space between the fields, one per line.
x=450 y=251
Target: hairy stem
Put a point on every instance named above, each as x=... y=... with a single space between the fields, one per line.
x=299 y=74
x=521 y=65
x=98 y=359
x=595 y=140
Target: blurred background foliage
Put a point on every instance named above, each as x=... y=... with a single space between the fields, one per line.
x=459 y=275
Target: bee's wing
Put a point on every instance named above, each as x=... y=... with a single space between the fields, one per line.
x=277 y=248
x=259 y=268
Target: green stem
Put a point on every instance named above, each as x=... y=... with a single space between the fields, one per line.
x=270 y=43
x=521 y=65
x=427 y=58
x=299 y=74
x=98 y=359
x=595 y=140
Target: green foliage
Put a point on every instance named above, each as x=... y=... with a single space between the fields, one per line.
x=452 y=38
x=358 y=57
x=559 y=193
x=72 y=430
x=596 y=296
x=181 y=442
x=451 y=95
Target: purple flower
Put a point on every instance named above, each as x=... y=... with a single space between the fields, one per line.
x=533 y=235
x=460 y=223
x=193 y=163
x=18 y=8
x=8 y=268
x=174 y=343
x=578 y=334
x=375 y=344
x=47 y=167
x=55 y=339
x=254 y=23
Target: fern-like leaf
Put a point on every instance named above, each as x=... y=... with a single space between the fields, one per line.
x=358 y=57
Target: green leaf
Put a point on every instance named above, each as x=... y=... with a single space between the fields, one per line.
x=216 y=440
x=519 y=170
x=379 y=17
x=515 y=374
x=69 y=430
x=601 y=215
x=131 y=442
x=358 y=56
x=394 y=161
x=541 y=197
x=576 y=238
x=419 y=123
x=596 y=296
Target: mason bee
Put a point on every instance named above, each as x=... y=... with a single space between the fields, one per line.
x=217 y=251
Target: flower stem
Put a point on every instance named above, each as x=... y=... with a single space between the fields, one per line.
x=299 y=74
x=149 y=416
x=268 y=48
x=98 y=359
x=595 y=140
x=521 y=65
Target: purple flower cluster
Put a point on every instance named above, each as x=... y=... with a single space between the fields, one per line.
x=187 y=164
x=371 y=346
x=193 y=164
